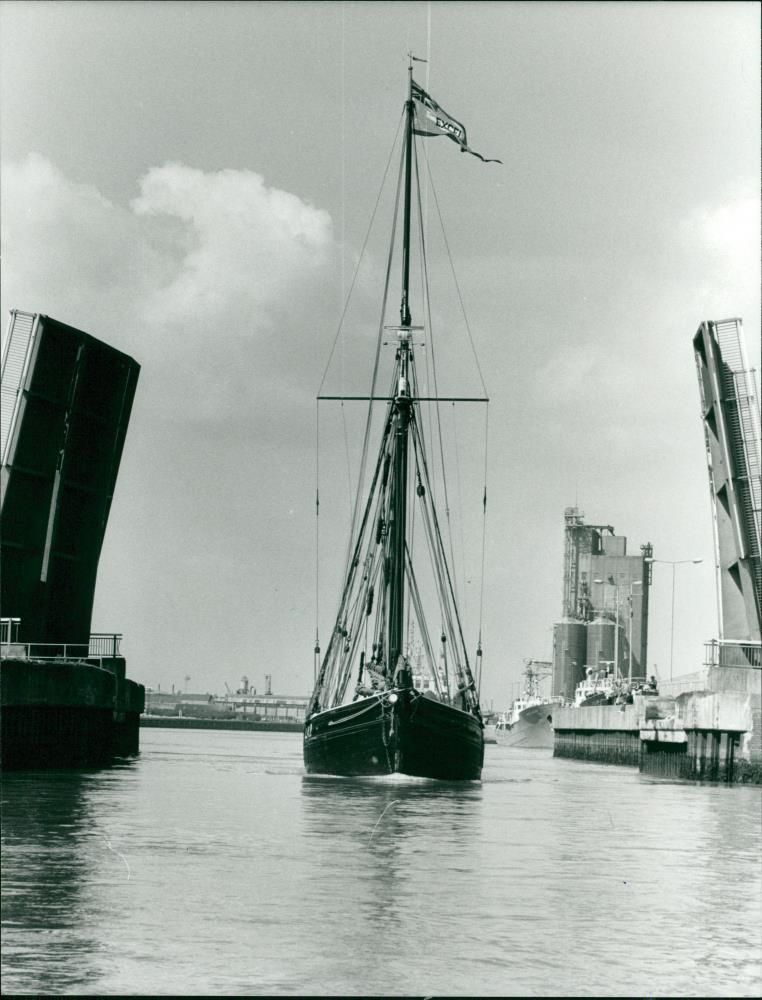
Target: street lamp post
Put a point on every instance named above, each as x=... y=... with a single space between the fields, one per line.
x=616 y=632
x=635 y=583
x=673 y=563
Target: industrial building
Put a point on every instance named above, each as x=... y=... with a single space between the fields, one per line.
x=604 y=615
x=706 y=725
x=266 y=707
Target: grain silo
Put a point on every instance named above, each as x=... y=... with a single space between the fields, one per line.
x=569 y=652
x=600 y=643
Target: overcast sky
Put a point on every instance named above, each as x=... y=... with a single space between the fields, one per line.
x=192 y=183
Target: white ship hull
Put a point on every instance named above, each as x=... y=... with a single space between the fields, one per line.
x=533 y=728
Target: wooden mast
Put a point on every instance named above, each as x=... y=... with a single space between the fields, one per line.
x=405 y=305
x=402 y=405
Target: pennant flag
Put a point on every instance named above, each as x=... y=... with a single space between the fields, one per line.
x=430 y=119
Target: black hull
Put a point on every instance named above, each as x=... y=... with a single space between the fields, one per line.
x=43 y=737
x=398 y=732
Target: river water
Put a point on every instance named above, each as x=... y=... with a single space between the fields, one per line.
x=212 y=865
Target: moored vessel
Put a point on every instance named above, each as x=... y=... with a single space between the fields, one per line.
x=529 y=723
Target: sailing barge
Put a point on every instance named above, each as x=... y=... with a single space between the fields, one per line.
x=378 y=708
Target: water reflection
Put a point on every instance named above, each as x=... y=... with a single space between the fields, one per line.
x=384 y=816
x=239 y=875
x=728 y=854
x=44 y=871
x=399 y=850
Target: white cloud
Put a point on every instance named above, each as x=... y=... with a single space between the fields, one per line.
x=67 y=250
x=564 y=377
x=249 y=244
x=217 y=285
x=190 y=278
x=724 y=239
x=732 y=229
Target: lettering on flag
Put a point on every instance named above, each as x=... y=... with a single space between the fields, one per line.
x=432 y=120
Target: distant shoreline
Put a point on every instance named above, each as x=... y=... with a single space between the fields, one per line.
x=241 y=725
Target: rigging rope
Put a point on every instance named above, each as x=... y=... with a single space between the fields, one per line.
x=421 y=618
x=454 y=276
x=348 y=459
x=483 y=385
x=348 y=297
x=484 y=522
x=326 y=673
x=440 y=437
x=460 y=508
x=360 y=258
x=317 y=539
x=445 y=567
x=379 y=341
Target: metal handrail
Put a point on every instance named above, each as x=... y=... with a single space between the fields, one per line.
x=9 y=629
x=106 y=645
x=733 y=653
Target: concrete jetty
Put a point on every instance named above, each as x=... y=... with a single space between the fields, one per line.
x=67 y=713
x=710 y=731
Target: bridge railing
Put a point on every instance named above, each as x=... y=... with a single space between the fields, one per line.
x=9 y=630
x=732 y=653
x=106 y=645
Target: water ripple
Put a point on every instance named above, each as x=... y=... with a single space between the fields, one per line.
x=213 y=865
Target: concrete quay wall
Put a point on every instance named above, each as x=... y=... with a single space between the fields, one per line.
x=607 y=734
x=67 y=713
x=713 y=734
x=600 y=718
x=725 y=699
x=704 y=755
x=602 y=746
x=61 y=683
